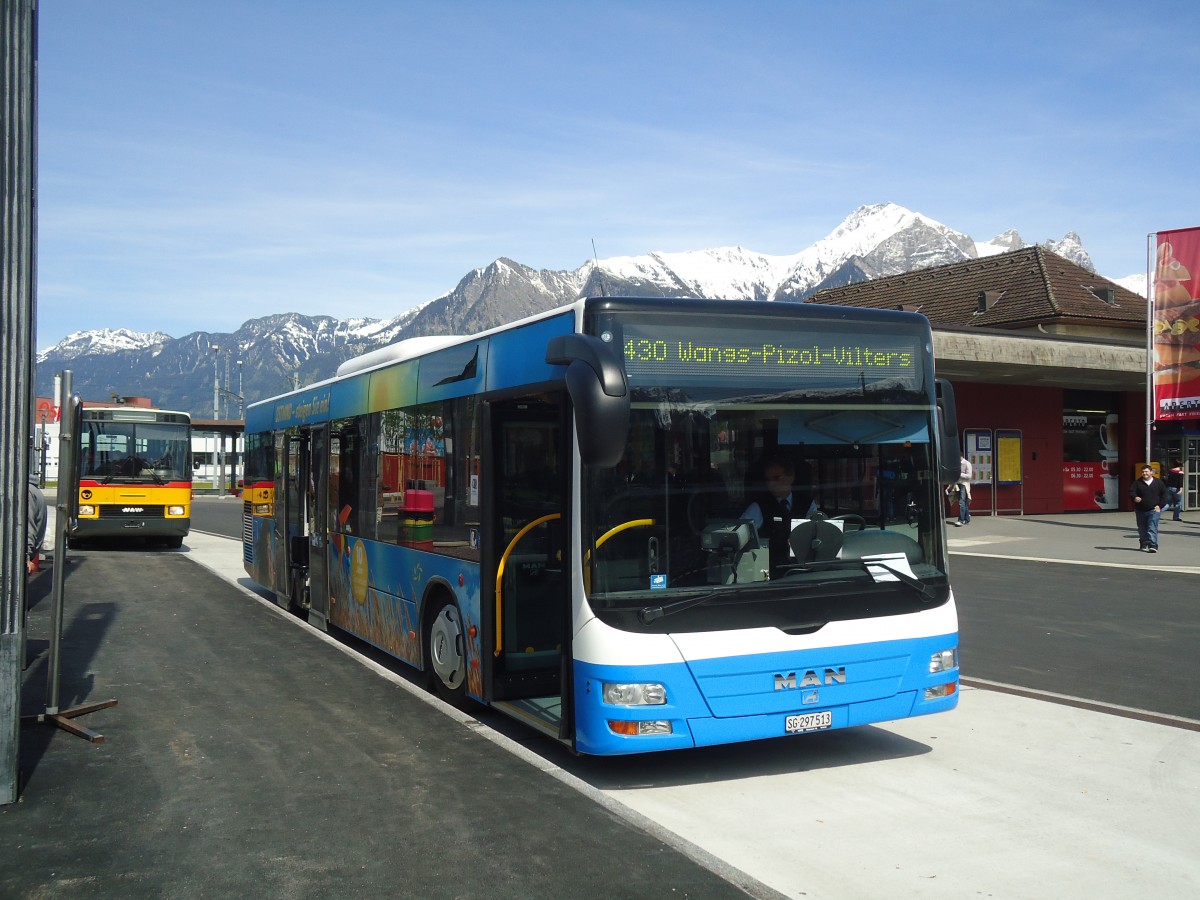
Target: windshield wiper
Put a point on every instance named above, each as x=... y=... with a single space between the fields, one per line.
x=648 y=614
x=911 y=581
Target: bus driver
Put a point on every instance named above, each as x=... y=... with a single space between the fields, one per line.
x=775 y=509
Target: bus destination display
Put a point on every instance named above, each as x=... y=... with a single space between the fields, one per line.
x=670 y=352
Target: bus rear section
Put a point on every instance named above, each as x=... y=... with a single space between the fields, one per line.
x=134 y=475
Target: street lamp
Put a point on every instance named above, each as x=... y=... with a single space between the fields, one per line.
x=216 y=382
x=43 y=445
x=219 y=463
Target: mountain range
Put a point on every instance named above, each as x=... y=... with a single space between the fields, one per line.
x=269 y=355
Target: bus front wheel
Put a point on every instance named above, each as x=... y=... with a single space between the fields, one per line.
x=445 y=652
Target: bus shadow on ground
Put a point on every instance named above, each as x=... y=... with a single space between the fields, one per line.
x=732 y=762
x=703 y=765
x=124 y=544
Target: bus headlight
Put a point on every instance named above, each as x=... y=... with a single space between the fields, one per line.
x=263 y=509
x=943 y=661
x=86 y=509
x=941 y=690
x=652 y=694
x=634 y=729
x=175 y=511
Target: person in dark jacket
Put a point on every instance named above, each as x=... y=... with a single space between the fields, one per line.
x=1174 y=482
x=1149 y=497
x=776 y=509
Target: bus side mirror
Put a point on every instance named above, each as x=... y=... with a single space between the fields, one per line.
x=949 y=453
x=596 y=382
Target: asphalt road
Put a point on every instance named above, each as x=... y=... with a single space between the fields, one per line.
x=1121 y=636
x=217 y=515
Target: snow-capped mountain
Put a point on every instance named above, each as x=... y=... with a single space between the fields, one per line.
x=277 y=351
x=884 y=239
x=1135 y=283
x=110 y=340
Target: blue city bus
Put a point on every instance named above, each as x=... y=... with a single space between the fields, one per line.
x=567 y=518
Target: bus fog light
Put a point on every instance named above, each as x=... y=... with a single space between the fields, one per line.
x=943 y=660
x=175 y=511
x=941 y=690
x=652 y=694
x=633 y=729
x=86 y=509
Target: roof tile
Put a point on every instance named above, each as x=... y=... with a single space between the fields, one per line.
x=1025 y=287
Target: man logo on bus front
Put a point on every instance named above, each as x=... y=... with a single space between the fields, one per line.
x=811 y=679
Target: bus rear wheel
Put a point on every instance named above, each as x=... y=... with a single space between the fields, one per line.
x=445 y=652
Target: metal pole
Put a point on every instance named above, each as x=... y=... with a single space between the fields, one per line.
x=64 y=511
x=67 y=509
x=241 y=398
x=216 y=416
x=1150 y=256
x=18 y=340
x=216 y=384
x=43 y=440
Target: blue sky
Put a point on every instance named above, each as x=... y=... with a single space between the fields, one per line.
x=202 y=164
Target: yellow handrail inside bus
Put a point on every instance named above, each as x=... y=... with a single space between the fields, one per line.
x=587 y=557
x=612 y=532
x=500 y=572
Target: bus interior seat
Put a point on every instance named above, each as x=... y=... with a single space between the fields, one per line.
x=815 y=540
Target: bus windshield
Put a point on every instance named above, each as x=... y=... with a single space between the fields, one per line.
x=749 y=499
x=153 y=452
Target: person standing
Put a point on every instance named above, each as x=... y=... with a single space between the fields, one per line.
x=964 y=491
x=1174 y=482
x=35 y=526
x=1149 y=497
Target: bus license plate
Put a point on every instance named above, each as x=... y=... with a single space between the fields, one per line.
x=808 y=722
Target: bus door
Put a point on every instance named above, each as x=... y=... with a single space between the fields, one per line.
x=317 y=507
x=528 y=559
x=296 y=496
x=286 y=459
x=299 y=496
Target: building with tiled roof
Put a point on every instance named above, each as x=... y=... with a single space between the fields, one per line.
x=1015 y=291
x=1046 y=352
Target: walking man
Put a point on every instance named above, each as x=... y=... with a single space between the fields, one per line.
x=1174 y=481
x=1149 y=497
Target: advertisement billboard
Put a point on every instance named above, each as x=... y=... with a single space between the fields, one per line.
x=1175 y=332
